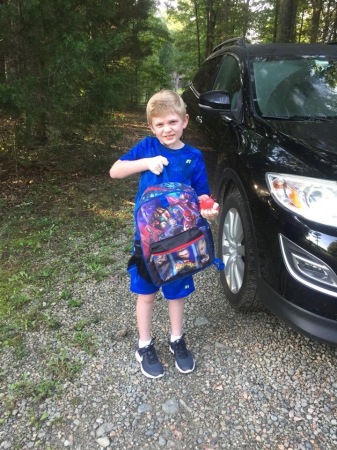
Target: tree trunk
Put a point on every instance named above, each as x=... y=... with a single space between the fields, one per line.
x=245 y=24
x=329 y=22
x=2 y=66
x=317 y=6
x=226 y=15
x=300 y=31
x=196 y=12
x=334 y=30
x=276 y=17
x=2 y=55
x=286 y=25
x=210 y=26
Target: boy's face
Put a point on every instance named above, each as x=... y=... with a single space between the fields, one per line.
x=169 y=128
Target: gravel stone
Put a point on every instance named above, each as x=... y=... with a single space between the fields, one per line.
x=200 y=321
x=171 y=406
x=103 y=442
x=104 y=429
x=257 y=385
x=144 y=407
x=161 y=441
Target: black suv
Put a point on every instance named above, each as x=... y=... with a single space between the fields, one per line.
x=269 y=113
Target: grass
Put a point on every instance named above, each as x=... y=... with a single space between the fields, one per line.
x=57 y=205
x=59 y=214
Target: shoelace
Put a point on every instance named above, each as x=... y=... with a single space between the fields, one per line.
x=151 y=353
x=180 y=347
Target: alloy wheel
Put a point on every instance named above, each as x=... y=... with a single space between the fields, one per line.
x=233 y=250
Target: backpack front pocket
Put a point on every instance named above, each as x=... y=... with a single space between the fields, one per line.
x=181 y=254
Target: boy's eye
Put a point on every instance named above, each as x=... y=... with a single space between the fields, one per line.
x=162 y=124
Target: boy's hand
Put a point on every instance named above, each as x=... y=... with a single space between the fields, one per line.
x=209 y=209
x=157 y=163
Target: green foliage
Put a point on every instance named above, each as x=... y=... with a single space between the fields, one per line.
x=72 y=60
x=65 y=65
x=198 y=25
x=86 y=341
x=185 y=25
x=74 y=303
x=332 y=248
x=36 y=391
x=328 y=73
x=263 y=21
x=62 y=367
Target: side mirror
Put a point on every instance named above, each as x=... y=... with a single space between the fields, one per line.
x=219 y=100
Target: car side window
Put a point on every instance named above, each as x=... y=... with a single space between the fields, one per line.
x=229 y=79
x=204 y=80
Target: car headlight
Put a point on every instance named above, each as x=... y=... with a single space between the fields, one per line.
x=312 y=198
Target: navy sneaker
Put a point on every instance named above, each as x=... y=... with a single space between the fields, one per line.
x=150 y=365
x=184 y=360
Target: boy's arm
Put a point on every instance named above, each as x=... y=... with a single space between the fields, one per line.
x=125 y=168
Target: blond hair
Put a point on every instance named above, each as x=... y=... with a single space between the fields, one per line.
x=164 y=102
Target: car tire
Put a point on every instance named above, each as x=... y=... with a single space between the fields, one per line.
x=236 y=250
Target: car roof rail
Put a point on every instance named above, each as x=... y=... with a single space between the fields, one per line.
x=237 y=40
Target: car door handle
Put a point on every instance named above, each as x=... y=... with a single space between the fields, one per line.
x=198 y=119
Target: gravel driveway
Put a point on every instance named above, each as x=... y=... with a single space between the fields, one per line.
x=257 y=385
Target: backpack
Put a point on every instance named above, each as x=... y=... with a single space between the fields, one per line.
x=176 y=241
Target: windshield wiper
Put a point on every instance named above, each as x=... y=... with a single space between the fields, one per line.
x=320 y=118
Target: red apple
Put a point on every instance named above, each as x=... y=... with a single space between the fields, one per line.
x=206 y=203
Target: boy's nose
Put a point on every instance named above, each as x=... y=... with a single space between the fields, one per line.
x=167 y=127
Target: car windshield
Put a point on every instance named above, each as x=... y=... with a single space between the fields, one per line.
x=289 y=88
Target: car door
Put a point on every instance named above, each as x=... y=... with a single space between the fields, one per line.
x=202 y=82
x=228 y=80
x=221 y=73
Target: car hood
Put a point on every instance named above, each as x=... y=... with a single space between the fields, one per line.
x=313 y=142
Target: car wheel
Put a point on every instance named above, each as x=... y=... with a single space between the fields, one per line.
x=236 y=249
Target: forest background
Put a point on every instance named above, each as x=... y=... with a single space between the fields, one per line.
x=65 y=65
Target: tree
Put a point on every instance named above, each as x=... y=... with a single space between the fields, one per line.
x=197 y=29
x=148 y=73
x=205 y=23
x=316 y=21
x=188 y=32
x=317 y=7
x=327 y=31
x=210 y=25
x=286 y=25
x=332 y=248
x=66 y=62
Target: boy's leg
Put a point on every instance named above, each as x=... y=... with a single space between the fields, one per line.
x=184 y=360
x=176 y=313
x=144 y=311
x=146 y=354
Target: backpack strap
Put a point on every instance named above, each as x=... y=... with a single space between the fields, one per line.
x=219 y=265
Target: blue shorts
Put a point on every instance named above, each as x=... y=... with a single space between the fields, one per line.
x=172 y=291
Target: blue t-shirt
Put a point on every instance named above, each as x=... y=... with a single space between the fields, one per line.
x=186 y=165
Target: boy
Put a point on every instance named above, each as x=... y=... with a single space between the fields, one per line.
x=167 y=119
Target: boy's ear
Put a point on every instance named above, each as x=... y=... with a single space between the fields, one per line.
x=186 y=119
